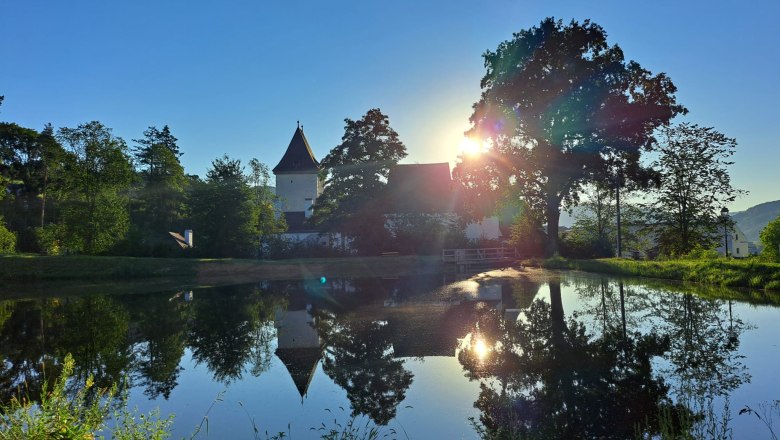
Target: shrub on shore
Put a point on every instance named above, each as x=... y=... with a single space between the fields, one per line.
x=83 y=415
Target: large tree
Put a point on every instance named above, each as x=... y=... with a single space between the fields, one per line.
x=98 y=177
x=355 y=173
x=161 y=196
x=695 y=185
x=268 y=222
x=29 y=163
x=222 y=211
x=558 y=104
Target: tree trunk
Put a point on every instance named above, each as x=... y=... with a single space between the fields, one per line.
x=43 y=196
x=617 y=206
x=556 y=311
x=553 y=214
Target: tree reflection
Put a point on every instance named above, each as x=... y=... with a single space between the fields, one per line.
x=230 y=331
x=359 y=358
x=23 y=343
x=162 y=329
x=94 y=330
x=544 y=377
x=704 y=363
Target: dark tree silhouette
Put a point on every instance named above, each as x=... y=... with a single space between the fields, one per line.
x=160 y=202
x=94 y=330
x=359 y=358
x=355 y=173
x=162 y=328
x=553 y=380
x=222 y=211
x=221 y=332
x=557 y=103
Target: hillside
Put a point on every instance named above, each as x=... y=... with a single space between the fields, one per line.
x=754 y=219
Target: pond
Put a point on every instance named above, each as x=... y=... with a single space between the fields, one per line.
x=556 y=355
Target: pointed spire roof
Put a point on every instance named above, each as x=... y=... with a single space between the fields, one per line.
x=301 y=363
x=298 y=158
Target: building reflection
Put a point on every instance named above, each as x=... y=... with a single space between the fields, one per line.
x=362 y=334
x=299 y=346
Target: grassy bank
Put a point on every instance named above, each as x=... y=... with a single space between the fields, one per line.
x=718 y=272
x=20 y=268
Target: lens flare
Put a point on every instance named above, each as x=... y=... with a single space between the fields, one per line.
x=470 y=146
x=481 y=349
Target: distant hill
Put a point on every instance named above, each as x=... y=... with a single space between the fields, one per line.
x=754 y=219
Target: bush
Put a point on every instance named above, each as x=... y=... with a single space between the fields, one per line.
x=425 y=234
x=278 y=248
x=7 y=239
x=59 y=416
x=701 y=253
x=48 y=238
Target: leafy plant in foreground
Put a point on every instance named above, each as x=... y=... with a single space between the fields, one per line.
x=80 y=416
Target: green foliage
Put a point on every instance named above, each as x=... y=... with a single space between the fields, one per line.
x=355 y=173
x=277 y=248
x=552 y=110
x=695 y=184
x=425 y=234
x=98 y=176
x=353 y=429
x=49 y=239
x=160 y=200
x=701 y=253
x=7 y=239
x=770 y=238
x=719 y=272
x=57 y=415
x=526 y=234
x=80 y=416
x=30 y=167
x=269 y=223
x=223 y=212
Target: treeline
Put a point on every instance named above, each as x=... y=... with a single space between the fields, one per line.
x=84 y=190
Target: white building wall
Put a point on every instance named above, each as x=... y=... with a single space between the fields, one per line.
x=298 y=192
x=739 y=246
x=295 y=329
x=485 y=229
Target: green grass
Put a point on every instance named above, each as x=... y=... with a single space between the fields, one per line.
x=722 y=272
x=33 y=268
x=22 y=268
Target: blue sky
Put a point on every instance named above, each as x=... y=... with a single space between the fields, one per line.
x=234 y=77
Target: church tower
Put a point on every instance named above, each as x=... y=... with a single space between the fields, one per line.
x=297 y=179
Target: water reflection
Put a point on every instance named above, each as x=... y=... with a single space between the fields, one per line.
x=593 y=375
x=562 y=358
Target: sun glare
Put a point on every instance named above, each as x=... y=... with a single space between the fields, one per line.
x=470 y=146
x=481 y=349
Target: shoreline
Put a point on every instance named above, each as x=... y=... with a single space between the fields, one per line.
x=720 y=272
x=25 y=273
x=21 y=268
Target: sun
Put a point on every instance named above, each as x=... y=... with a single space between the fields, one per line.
x=481 y=349
x=470 y=146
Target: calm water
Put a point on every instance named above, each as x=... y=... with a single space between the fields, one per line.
x=418 y=356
